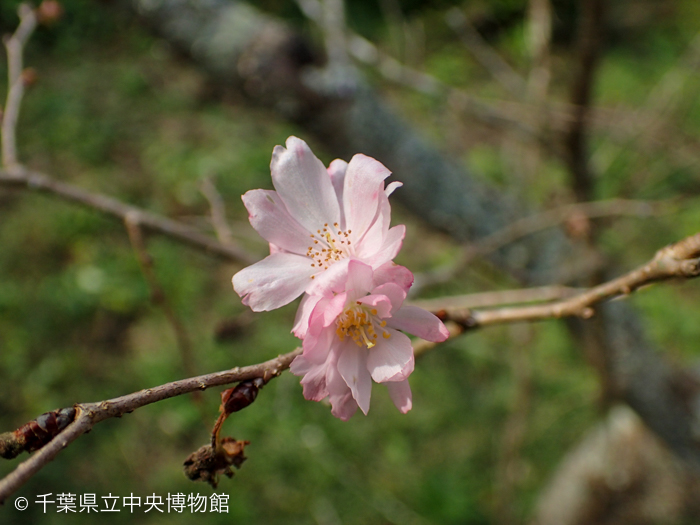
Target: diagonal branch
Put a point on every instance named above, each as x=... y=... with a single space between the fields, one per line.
x=30 y=180
x=218 y=211
x=679 y=260
x=89 y=414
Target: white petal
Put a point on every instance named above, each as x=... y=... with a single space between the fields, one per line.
x=303 y=185
x=273 y=282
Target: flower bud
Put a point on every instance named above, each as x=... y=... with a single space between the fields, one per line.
x=48 y=12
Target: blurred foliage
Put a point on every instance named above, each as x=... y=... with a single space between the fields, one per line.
x=116 y=111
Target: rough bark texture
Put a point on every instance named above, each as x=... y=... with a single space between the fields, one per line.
x=266 y=60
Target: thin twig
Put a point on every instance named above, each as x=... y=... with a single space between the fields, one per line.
x=15 y=47
x=30 y=180
x=218 y=211
x=498 y=298
x=536 y=223
x=679 y=260
x=485 y=54
x=158 y=297
x=89 y=414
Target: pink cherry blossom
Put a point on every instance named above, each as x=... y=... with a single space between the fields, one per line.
x=316 y=221
x=353 y=338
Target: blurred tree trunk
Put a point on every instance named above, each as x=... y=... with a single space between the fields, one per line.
x=259 y=56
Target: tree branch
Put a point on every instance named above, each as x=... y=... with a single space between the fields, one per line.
x=15 y=47
x=158 y=295
x=30 y=180
x=533 y=224
x=218 y=211
x=89 y=414
x=679 y=260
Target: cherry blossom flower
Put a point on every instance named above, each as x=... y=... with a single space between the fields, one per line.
x=353 y=338
x=316 y=221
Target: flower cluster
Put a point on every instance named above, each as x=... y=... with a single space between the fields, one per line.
x=330 y=240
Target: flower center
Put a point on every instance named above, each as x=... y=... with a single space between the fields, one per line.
x=329 y=245
x=358 y=322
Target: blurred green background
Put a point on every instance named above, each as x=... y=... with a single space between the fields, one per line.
x=115 y=110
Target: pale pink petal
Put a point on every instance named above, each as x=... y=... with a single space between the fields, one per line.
x=419 y=322
x=391 y=272
x=337 y=170
x=328 y=310
x=314 y=380
x=390 y=247
x=270 y=218
x=391 y=359
x=301 y=321
x=304 y=186
x=364 y=182
x=340 y=395
x=394 y=292
x=273 y=282
x=318 y=346
x=400 y=393
x=391 y=187
x=352 y=365
x=330 y=280
x=321 y=334
x=300 y=366
x=343 y=406
x=374 y=238
x=359 y=280
x=381 y=303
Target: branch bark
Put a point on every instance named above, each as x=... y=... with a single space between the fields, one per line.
x=89 y=414
x=33 y=181
x=680 y=260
